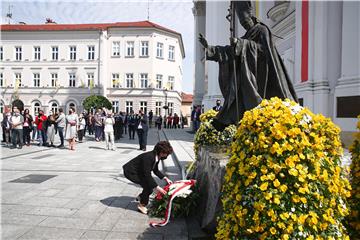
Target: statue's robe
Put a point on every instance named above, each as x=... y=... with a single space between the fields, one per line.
x=260 y=73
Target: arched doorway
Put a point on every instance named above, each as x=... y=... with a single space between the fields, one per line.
x=71 y=104
x=54 y=107
x=36 y=106
x=19 y=104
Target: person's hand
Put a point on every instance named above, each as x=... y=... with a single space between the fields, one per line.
x=203 y=41
x=161 y=190
x=168 y=180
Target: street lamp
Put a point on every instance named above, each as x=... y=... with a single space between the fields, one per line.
x=166 y=107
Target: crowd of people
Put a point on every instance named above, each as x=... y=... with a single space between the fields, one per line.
x=22 y=129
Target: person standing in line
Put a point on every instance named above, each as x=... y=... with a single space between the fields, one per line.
x=150 y=118
x=27 y=127
x=39 y=121
x=138 y=170
x=6 y=125
x=169 y=121
x=176 y=121
x=109 y=122
x=142 y=130
x=17 y=121
x=218 y=106
x=165 y=121
x=50 y=123
x=126 y=123
x=159 y=122
x=98 y=124
x=132 y=125
x=81 y=128
x=71 y=124
x=61 y=124
x=117 y=126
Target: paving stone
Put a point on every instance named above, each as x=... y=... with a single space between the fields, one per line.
x=11 y=231
x=132 y=236
x=94 y=235
x=67 y=222
x=48 y=211
x=21 y=219
x=47 y=201
x=92 y=209
x=106 y=221
x=52 y=233
x=49 y=193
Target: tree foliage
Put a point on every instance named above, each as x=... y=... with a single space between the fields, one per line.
x=96 y=101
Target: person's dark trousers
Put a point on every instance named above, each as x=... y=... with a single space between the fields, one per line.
x=121 y=130
x=159 y=126
x=146 y=192
x=97 y=132
x=86 y=127
x=17 y=136
x=81 y=134
x=131 y=132
x=43 y=136
x=91 y=130
x=125 y=129
x=102 y=133
x=26 y=137
x=61 y=135
x=141 y=136
x=150 y=123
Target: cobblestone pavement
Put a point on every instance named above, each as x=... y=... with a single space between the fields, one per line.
x=87 y=196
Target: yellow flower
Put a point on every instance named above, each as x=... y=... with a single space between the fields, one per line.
x=293 y=172
x=276 y=183
x=295 y=198
x=283 y=188
x=277 y=199
x=264 y=186
x=271 y=176
x=273 y=230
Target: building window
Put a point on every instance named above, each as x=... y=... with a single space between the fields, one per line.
x=18 y=53
x=91 y=52
x=129 y=80
x=55 y=53
x=36 y=108
x=171 y=82
x=129 y=49
x=1 y=80
x=90 y=79
x=36 y=78
x=159 y=50
x=1 y=53
x=171 y=53
x=54 y=107
x=158 y=108
x=116 y=49
x=72 y=52
x=37 y=53
x=171 y=108
x=143 y=107
x=115 y=80
x=144 y=52
x=115 y=106
x=129 y=106
x=17 y=79
x=143 y=80
x=72 y=80
x=54 y=79
x=159 y=81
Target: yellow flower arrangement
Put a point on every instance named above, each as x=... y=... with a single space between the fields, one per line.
x=207 y=135
x=354 y=217
x=284 y=179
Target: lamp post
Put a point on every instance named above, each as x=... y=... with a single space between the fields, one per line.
x=166 y=107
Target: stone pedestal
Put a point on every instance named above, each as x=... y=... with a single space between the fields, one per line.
x=209 y=174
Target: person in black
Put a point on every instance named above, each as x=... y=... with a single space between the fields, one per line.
x=131 y=124
x=218 y=106
x=117 y=126
x=142 y=129
x=27 y=127
x=138 y=170
x=159 y=122
x=150 y=118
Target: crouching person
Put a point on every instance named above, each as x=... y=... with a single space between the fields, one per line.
x=138 y=170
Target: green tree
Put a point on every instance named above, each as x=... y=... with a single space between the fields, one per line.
x=96 y=101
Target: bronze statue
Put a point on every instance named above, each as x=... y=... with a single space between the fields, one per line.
x=250 y=68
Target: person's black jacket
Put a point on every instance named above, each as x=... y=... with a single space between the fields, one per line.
x=141 y=167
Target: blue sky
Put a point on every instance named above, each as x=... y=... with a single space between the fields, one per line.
x=176 y=15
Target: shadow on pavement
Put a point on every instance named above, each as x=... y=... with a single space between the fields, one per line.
x=118 y=201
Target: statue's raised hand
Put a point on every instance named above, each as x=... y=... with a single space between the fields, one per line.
x=203 y=41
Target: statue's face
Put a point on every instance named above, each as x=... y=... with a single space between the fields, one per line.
x=246 y=20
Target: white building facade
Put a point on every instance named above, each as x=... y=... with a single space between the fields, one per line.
x=319 y=44
x=136 y=65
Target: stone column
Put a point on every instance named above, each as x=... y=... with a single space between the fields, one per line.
x=199 y=11
x=348 y=85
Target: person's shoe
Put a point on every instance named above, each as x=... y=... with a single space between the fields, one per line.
x=142 y=209
x=144 y=149
x=113 y=149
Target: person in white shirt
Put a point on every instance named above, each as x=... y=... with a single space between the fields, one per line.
x=61 y=124
x=17 y=121
x=109 y=122
x=72 y=122
x=81 y=127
